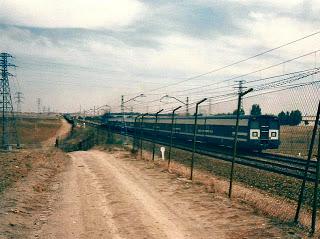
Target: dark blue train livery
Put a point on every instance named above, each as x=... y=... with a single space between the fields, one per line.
x=255 y=132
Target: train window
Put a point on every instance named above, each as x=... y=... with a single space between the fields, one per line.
x=274 y=125
x=254 y=134
x=254 y=125
x=273 y=134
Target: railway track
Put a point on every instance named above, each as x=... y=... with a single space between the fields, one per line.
x=284 y=168
x=280 y=157
x=279 y=164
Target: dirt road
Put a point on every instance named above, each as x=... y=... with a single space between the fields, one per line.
x=61 y=133
x=110 y=195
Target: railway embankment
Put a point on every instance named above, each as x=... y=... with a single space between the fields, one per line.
x=28 y=176
x=269 y=193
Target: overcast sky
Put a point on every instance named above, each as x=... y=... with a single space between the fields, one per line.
x=80 y=52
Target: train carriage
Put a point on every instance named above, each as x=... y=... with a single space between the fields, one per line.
x=255 y=132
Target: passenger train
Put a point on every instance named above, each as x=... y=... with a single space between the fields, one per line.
x=255 y=132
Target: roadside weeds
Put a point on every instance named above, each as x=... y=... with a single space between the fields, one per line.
x=279 y=210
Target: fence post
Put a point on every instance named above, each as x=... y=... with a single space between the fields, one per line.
x=315 y=192
x=241 y=94
x=155 y=133
x=141 y=133
x=97 y=135
x=195 y=136
x=134 y=142
x=171 y=134
x=303 y=185
x=110 y=134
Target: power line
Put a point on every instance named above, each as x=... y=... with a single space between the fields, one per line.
x=252 y=72
x=271 y=87
x=237 y=62
x=289 y=78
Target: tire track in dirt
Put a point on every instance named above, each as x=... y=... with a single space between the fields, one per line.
x=112 y=196
x=61 y=133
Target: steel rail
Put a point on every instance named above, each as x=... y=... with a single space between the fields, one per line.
x=279 y=164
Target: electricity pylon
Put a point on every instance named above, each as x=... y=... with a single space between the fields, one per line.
x=19 y=101
x=9 y=127
x=39 y=105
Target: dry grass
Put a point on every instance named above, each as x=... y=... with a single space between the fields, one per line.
x=28 y=185
x=78 y=134
x=16 y=165
x=281 y=186
x=34 y=131
x=279 y=209
x=270 y=194
x=295 y=140
x=270 y=205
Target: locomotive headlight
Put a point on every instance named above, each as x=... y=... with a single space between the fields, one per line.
x=254 y=133
x=273 y=134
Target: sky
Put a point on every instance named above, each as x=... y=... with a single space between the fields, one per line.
x=80 y=53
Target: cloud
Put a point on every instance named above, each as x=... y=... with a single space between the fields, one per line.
x=93 y=14
x=132 y=45
x=278 y=5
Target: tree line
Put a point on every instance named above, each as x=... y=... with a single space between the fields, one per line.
x=285 y=118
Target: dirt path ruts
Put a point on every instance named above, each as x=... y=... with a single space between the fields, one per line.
x=61 y=133
x=112 y=196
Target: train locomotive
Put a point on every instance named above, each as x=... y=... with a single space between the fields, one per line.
x=256 y=133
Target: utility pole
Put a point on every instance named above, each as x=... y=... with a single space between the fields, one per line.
x=187 y=106
x=122 y=106
x=123 y=125
x=240 y=91
x=235 y=141
x=39 y=105
x=195 y=130
x=6 y=106
x=19 y=100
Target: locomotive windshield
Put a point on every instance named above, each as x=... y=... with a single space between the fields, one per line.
x=274 y=124
x=254 y=124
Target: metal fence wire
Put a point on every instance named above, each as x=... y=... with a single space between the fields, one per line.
x=280 y=153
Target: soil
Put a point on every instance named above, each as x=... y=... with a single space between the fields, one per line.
x=29 y=183
x=111 y=195
x=26 y=201
x=99 y=194
x=61 y=133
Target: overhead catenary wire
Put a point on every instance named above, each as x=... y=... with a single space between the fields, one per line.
x=268 y=88
x=247 y=74
x=292 y=76
x=209 y=91
x=235 y=63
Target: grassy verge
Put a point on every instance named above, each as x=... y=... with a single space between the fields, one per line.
x=85 y=138
x=295 y=140
x=36 y=130
x=16 y=165
x=271 y=183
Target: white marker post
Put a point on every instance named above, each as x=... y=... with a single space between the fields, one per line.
x=162 y=149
